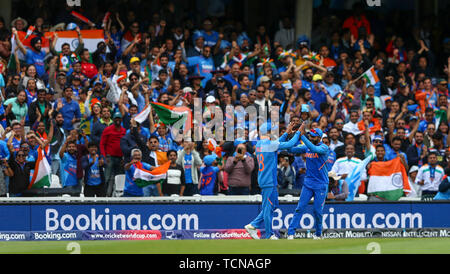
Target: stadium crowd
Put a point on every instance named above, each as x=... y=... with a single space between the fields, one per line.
x=383 y=97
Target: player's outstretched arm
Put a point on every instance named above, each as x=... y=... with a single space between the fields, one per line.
x=290 y=143
x=298 y=149
x=320 y=149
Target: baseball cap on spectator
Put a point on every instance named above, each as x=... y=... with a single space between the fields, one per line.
x=209 y=159
x=388 y=98
x=317 y=77
x=220 y=79
x=210 y=99
x=402 y=85
x=264 y=79
x=117 y=114
x=134 y=59
x=277 y=77
x=239 y=141
x=187 y=89
x=303 y=41
x=333 y=175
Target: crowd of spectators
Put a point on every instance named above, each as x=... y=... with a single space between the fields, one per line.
x=63 y=100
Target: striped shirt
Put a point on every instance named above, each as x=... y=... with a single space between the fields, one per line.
x=431 y=176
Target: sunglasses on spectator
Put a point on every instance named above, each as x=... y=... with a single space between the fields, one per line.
x=20 y=155
x=16 y=78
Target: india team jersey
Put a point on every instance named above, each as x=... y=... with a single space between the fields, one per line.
x=266 y=154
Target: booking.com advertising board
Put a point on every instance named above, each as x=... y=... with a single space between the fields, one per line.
x=186 y=216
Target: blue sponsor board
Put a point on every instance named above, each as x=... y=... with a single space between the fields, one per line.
x=190 y=216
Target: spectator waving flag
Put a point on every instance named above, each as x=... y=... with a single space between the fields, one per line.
x=143 y=115
x=371 y=76
x=29 y=31
x=354 y=179
x=171 y=115
x=42 y=172
x=388 y=180
x=143 y=177
x=440 y=116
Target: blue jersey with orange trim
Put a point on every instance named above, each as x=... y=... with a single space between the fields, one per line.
x=266 y=154
x=316 y=163
x=69 y=170
x=208 y=179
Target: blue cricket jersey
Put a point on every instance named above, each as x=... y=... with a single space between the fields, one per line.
x=316 y=163
x=208 y=181
x=266 y=154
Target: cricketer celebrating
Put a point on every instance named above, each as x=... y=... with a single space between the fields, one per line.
x=266 y=154
x=316 y=179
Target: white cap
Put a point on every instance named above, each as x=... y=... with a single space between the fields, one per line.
x=413 y=169
x=333 y=175
x=187 y=89
x=210 y=99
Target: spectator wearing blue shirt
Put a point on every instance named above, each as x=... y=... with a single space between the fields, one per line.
x=307 y=81
x=278 y=89
x=332 y=88
x=394 y=152
x=202 y=64
x=233 y=75
x=69 y=108
x=429 y=119
x=318 y=93
x=94 y=175
x=69 y=161
x=211 y=37
x=35 y=55
x=209 y=176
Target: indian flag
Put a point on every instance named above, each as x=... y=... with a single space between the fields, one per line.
x=143 y=115
x=42 y=172
x=388 y=180
x=171 y=115
x=143 y=177
x=371 y=76
x=90 y=38
x=440 y=116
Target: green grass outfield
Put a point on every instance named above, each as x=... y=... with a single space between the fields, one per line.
x=300 y=246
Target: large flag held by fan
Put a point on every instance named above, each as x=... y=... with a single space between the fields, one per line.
x=175 y=116
x=143 y=177
x=42 y=173
x=389 y=180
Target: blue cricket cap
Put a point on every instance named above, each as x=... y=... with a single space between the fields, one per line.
x=209 y=159
x=316 y=132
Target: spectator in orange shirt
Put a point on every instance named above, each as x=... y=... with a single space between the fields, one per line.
x=374 y=124
x=356 y=21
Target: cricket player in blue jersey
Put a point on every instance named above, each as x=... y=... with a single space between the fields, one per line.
x=266 y=154
x=316 y=179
